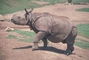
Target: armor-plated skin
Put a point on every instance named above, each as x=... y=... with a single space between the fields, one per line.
x=47 y=26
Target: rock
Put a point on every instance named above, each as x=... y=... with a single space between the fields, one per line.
x=9 y=29
x=1 y=18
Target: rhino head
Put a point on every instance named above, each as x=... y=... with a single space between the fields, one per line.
x=22 y=19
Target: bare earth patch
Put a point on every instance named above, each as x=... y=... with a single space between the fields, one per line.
x=11 y=49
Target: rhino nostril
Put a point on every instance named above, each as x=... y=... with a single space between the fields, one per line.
x=12 y=20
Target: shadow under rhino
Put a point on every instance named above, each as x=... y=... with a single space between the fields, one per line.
x=49 y=48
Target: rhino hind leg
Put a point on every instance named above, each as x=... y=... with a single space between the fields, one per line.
x=70 y=41
x=45 y=43
x=69 y=49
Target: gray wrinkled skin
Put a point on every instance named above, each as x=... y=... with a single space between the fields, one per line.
x=47 y=26
x=19 y=19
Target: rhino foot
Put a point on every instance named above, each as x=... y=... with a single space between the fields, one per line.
x=35 y=47
x=68 y=52
x=44 y=48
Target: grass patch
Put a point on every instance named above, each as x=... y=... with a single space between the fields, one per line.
x=12 y=36
x=83 y=10
x=10 y=6
x=78 y=1
x=25 y=36
x=63 y=1
x=82 y=43
x=80 y=39
x=83 y=30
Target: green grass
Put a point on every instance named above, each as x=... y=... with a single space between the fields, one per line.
x=25 y=33
x=82 y=43
x=78 y=1
x=63 y=1
x=25 y=36
x=10 y=6
x=83 y=10
x=12 y=36
x=83 y=30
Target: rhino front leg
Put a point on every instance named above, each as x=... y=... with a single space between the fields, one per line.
x=39 y=36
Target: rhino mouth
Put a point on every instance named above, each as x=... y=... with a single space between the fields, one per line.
x=12 y=20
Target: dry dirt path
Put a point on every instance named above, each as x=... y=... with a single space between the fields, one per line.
x=11 y=49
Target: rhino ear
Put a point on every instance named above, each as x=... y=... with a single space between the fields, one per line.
x=26 y=11
x=31 y=10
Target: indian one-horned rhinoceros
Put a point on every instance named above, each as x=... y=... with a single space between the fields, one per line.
x=48 y=27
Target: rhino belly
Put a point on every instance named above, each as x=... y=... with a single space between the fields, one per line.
x=55 y=39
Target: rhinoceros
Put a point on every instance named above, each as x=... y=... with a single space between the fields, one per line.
x=48 y=27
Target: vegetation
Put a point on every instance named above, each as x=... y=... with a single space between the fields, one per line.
x=83 y=10
x=12 y=36
x=63 y=1
x=24 y=36
x=10 y=6
x=82 y=43
x=83 y=30
x=78 y=1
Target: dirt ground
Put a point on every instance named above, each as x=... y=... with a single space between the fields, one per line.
x=11 y=49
